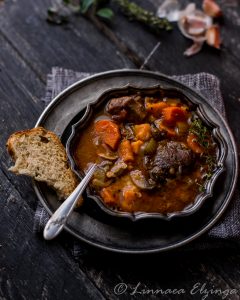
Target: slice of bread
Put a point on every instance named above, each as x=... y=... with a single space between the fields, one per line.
x=40 y=154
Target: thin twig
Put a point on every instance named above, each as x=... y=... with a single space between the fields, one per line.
x=147 y=59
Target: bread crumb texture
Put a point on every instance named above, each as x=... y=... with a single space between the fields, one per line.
x=40 y=154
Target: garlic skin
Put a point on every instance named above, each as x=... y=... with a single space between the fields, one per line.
x=193 y=49
x=193 y=23
x=211 y=8
x=213 y=36
x=170 y=10
x=198 y=26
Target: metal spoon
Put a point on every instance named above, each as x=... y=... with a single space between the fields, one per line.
x=57 y=221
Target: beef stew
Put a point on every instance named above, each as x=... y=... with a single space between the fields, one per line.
x=154 y=153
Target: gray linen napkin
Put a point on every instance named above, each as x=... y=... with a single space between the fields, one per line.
x=226 y=233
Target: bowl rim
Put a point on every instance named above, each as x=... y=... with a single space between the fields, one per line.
x=200 y=111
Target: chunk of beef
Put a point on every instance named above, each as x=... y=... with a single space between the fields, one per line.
x=129 y=108
x=171 y=157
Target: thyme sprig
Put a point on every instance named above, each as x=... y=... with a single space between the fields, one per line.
x=201 y=187
x=201 y=132
x=136 y=12
x=203 y=137
x=210 y=161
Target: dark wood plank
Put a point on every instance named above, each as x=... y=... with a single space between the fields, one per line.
x=20 y=107
x=20 y=90
x=166 y=271
x=77 y=45
x=31 y=268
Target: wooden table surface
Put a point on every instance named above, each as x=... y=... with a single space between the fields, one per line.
x=31 y=268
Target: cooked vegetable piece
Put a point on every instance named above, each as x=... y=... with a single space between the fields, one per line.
x=108 y=155
x=125 y=151
x=130 y=195
x=143 y=132
x=105 y=165
x=109 y=132
x=157 y=134
x=173 y=114
x=108 y=196
x=99 y=174
x=169 y=130
x=99 y=178
x=140 y=180
x=182 y=127
x=193 y=144
x=150 y=147
x=156 y=108
x=136 y=146
x=100 y=184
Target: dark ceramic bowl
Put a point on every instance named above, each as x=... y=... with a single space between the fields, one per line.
x=198 y=108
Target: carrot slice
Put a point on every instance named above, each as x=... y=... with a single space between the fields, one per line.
x=125 y=151
x=193 y=144
x=156 y=108
x=143 y=131
x=173 y=114
x=109 y=132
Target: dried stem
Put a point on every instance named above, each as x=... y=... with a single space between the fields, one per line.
x=136 y=12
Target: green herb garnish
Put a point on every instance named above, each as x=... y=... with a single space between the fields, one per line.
x=210 y=161
x=203 y=138
x=201 y=187
x=201 y=132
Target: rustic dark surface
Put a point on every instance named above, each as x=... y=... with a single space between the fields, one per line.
x=31 y=268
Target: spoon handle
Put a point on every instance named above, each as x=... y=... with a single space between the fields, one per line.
x=55 y=224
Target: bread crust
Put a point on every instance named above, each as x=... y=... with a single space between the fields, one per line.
x=35 y=130
x=63 y=191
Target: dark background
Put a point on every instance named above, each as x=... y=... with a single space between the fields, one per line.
x=31 y=268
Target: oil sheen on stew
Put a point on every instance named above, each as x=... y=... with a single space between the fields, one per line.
x=154 y=153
